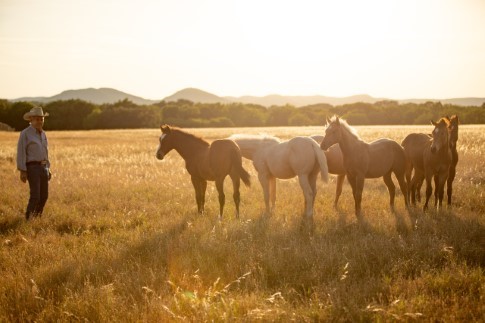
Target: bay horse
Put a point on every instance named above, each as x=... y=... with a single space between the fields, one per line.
x=273 y=158
x=362 y=160
x=435 y=162
x=414 y=145
x=453 y=129
x=335 y=164
x=206 y=162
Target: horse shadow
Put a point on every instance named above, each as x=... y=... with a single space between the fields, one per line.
x=150 y=254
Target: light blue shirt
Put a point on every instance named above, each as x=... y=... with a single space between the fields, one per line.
x=32 y=146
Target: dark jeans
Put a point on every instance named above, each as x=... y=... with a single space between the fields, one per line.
x=38 y=177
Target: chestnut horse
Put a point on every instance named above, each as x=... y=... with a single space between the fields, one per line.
x=414 y=145
x=435 y=161
x=206 y=162
x=362 y=160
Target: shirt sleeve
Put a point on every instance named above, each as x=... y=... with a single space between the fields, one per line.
x=21 y=153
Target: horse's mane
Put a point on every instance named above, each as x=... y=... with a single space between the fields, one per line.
x=252 y=137
x=186 y=134
x=344 y=123
x=444 y=121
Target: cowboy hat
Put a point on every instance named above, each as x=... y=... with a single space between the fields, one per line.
x=35 y=112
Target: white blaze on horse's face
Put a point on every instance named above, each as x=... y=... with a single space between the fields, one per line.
x=160 y=153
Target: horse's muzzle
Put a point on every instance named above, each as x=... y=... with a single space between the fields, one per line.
x=160 y=156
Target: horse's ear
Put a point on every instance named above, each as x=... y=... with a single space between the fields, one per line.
x=165 y=128
x=328 y=120
x=434 y=123
x=337 y=119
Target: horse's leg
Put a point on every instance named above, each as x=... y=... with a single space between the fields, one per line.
x=313 y=186
x=236 y=183
x=412 y=187
x=359 y=188
x=436 y=191
x=203 y=187
x=449 y=182
x=307 y=194
x=408 y=173
x=351 y=180
x=442 y=177
x=264 y=180
x=429 y=190
x=403 y=187
x=417 y=180
x=272 y=193
x=196 y=184
x=338 y=190
x=222 y=197
x=391 y=188
x=419 y=183
x=355 y=192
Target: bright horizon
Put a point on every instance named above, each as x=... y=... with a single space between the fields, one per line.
x=398 y=49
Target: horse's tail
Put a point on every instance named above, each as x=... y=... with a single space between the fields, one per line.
x=322 y=161
x=243 y=174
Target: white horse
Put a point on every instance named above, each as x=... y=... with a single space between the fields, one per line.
x=273 y=158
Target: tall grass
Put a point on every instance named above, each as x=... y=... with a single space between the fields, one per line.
x=121 y=240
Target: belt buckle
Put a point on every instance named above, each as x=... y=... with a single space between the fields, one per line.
x=43 y=162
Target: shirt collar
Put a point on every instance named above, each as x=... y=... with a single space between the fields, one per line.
x=34 y=129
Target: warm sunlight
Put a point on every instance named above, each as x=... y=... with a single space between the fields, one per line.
x=396 y=49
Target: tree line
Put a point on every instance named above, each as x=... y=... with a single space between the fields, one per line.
x=82 y=115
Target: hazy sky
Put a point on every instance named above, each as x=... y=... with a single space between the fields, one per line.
x=152 y=48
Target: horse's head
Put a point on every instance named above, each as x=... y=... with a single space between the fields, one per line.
x=453 y=128
x=440 y=134
x=332 y=133
x=165 y=142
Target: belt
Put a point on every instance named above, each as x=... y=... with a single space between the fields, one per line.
x=30 y=163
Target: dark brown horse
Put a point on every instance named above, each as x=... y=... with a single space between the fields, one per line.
x=362 y=160
x=453 y=129
x=437 y=161
x=206 y=162
x=414 y=145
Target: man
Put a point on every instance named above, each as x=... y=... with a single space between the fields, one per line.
x=33 y=161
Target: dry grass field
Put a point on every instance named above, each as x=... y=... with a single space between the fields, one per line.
x=120 y=240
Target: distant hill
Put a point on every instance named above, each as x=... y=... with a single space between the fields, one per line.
x=96 y=96
x=107 y=95
x=195 y=95
x=300 y=101
x=456 y=101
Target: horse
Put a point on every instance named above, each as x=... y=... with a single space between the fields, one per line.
x=362 y=160
x=436 y=159
x=414 y=145
x=453 y=130
x=273 y=158
x=206 y=161
x=335 y=165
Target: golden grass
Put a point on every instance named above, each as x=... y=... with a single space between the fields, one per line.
x=121 y=241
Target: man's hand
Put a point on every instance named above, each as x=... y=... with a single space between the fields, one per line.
x=23 y=176
x=49 y=176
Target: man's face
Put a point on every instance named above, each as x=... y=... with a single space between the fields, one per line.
x=37 y=122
